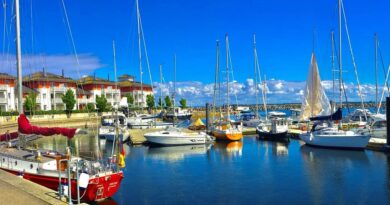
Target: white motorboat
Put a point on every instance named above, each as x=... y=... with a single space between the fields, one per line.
x=107 y=128
x=175 y=136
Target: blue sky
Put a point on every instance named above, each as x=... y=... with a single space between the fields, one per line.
x=285 y=31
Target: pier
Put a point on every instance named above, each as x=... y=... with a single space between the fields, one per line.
x=16 y=190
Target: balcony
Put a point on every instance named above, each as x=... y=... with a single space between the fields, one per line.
x=84 y=101
x=3 y=101
x=3 y=87
x=59 y=89
x=57 y=101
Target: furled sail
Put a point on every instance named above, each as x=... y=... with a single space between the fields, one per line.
x=26 y=128
x=314 y=101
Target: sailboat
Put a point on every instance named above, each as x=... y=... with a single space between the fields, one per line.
x=323 y=133
x=225 y=128
x=139 y=121
x=176 y=135
x=87 y=180
x=247 y=117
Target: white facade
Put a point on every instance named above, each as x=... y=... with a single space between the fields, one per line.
x=7 y=98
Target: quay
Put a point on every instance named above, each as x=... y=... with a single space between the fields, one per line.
x=18 y=191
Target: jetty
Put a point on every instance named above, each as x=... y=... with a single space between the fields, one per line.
x=17 y=191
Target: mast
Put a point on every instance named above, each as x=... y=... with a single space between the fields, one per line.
x=340 y=59
x=227 y=75
x=140 y=54
x=116 y=124
x=255 y=67
x=174 y=81
x=160 y=88
x=376 y=69
x=116 y=81
x=333 y=69
x=265 y=97
x=216 y=79
x=18 y=58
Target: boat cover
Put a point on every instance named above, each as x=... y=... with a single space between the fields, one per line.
x=8 y=136
x=26 y=128
x=338 y=115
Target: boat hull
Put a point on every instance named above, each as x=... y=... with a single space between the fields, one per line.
x=336 y=141
x=231 y=136
x=281 y=136
x=172 y=140
x=98 y=188
x=169 y=118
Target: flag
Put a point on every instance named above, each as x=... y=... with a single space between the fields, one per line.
x=121 y=161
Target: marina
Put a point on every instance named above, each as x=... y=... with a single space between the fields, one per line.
x=282 y=172
x=235 y=116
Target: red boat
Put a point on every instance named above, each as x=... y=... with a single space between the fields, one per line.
x=97 y=179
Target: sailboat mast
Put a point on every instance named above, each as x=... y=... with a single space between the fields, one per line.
x=18 y=57
x=116 y=81
x=265 y=97
x=376 y=69
x=174 y=81
x=340 y=59
x=255 y=67
x=140 y=54
x=227 y=75
x=216 y=79
x=161 y=98
x=333 y=69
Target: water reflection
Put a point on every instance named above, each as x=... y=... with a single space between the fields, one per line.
x=177 y=153
x=329 y=169
x=229 y=149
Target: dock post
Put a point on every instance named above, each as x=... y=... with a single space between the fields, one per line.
x=207 y=117
x=387 y=147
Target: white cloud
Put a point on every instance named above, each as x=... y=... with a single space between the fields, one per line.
x=52 y=64
x=278 y=91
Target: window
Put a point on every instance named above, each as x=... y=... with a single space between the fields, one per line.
x=44 y=95
x=52 y=84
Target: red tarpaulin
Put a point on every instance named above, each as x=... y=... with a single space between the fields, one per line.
x=26 y=128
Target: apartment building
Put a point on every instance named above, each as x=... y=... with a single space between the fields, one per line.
x=7 y=92
x=50 y=89
x=98 y=86
x=128 y=85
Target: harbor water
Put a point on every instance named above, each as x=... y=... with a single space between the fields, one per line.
x=243 y=172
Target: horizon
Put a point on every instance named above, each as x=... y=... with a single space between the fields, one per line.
x=287 y=32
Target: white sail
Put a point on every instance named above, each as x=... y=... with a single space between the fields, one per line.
x=314 y=101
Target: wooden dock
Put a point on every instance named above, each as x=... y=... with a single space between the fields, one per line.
x=16 y=190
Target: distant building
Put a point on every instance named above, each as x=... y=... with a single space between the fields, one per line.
x=50 y=89
x=7 y=92
x=98 y=86
x=128 y=85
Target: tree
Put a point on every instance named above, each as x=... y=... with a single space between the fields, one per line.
x=101 y=103
x=69 y=100
x=30 y=102
x=90 y=107
x=183 y=103
x=130 y=99
x=160 y=102
x=168 y=102
x=150 y=101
